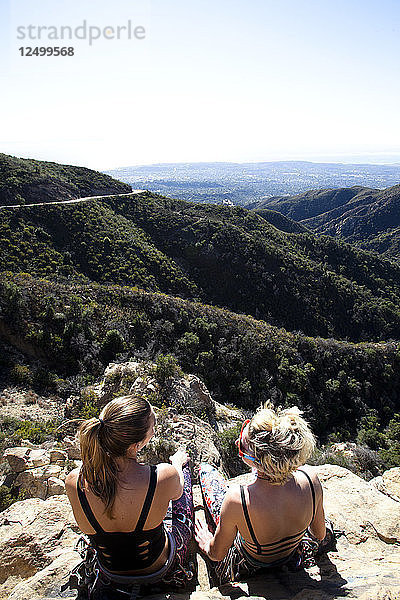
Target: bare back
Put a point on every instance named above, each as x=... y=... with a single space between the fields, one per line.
x=278 y=514
x=129 y=500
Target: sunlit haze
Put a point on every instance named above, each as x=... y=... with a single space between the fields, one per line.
x=237 y=80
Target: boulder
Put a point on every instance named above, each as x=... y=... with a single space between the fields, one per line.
x=71 y=447
x=28 y=444
x=227 y=417
x=23 y=458
x=367 y=515
x=345 y=448
x=391 y=482
x=117 y=377
x=190 y=396
x=40 y=482
x=32 y=483
x=17 y=458
x=32 y=534
x=46 y=583
x=174 y=431
x=55 y=486
x=52 y=471
x=38 y=458
x=58 y=457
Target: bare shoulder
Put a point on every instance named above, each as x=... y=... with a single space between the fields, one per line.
x=312 y=472
x=166 y=473
x=169 y=481
x=232 y=497
x=71 y=479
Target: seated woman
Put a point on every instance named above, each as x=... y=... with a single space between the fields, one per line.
x=120 y=503
x=267 y=523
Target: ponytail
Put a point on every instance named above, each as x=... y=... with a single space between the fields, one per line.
x=122 y=422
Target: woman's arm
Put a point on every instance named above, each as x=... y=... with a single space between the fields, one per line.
x=216 y=546
x=174 y=474
x=317 y=526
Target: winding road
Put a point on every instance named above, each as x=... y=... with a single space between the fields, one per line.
x=85 y=199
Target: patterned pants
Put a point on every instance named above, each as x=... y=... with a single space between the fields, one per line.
x=179 y=523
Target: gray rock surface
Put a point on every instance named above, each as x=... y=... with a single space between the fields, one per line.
x=37 y=536
x=37 y=539
x=36 y=472
x=33 y=533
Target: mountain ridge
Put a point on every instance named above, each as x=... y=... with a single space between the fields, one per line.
x=223 y=255
x=357 y=215
x=24 y=181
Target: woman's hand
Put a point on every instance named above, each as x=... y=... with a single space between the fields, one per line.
x=180 y=458
x=203 y=536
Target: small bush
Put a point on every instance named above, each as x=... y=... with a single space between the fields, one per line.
x=36 y=432
x=390 y=457
x=88 y=406
x=166 y=367
x=229 y=452
x=391 y=454
x=6 y=498
x=14 y=430
x=112 y=345
x=362 y=461
x=45 y=379
x=21 y=375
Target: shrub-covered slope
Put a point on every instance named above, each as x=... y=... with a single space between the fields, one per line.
x=27 y=181
x=311 y=203
x=226 y=256
x=281 y=222
x=77 y=329
x=367 y=217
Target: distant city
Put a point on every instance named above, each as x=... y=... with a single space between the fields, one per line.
x=243 y=183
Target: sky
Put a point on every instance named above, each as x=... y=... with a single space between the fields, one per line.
x=212 y=80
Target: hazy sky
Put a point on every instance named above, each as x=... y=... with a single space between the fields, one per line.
x=213 y=80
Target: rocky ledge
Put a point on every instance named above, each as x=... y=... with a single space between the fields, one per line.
x=37 y=539
x=38 y=535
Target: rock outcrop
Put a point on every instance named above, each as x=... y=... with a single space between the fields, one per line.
x=186 y=412
x=37 y=472
x=389 y=483
x=37 y=549
x=38 y=535
x=37 y=540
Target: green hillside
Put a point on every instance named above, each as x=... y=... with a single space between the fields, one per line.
x=227 y=256
x=279 y=221
x=27 y=181
x=366 y=217
x=311 y=203
x=69 y=332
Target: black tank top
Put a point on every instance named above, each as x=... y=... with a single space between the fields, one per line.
x=127 y=551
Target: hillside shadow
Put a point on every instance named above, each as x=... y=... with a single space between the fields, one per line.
x=285 y=585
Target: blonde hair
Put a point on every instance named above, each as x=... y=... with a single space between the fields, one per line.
x=122 y=422
x=281 y=441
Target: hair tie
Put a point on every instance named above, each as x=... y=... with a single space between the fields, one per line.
x=101 y=422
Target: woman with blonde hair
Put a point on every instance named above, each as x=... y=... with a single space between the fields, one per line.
x=278 y=519
x=120 y=503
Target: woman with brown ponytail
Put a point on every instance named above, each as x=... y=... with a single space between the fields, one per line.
x=276 y=520
x=121 y=504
